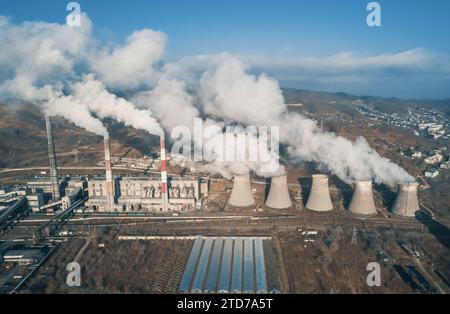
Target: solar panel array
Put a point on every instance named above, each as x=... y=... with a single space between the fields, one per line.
x=225 y=265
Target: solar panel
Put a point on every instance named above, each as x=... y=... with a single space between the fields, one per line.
x=248 y=266
x=213 y=271
x=236 y=276
x=260 y=268
x=190 y=266
x=225 y=269
x=197 y=285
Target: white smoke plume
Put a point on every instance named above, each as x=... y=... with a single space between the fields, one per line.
x=44 y=60
x=228 y=91
x=69 y=72
x=348 y=160
x=170 y=103
x=77 y=112
x=96 y=97
x=132 y=66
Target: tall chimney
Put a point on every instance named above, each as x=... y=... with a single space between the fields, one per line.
x=164 y=193
x=109 y=177
x=406 y=203
x=362 y=202
x=278 y=197
x=52 y=159
x=241 y=195
x=319 y=198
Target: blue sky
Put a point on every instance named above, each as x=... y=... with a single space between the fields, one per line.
x=282 y=30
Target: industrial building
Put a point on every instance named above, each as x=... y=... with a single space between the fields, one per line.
x=36 y=201
x=45 y=186
x=145 y=194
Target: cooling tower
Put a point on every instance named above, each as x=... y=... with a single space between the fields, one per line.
x=278 y=197
x=109 y=178
x=407 y=202
x=362 y=202
x=52 y=159
x=319 y=198
x=241 y=195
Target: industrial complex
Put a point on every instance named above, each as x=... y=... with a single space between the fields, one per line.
x=216 y=235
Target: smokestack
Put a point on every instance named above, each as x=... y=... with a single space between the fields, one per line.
x=241 y=195
x=407 y=203
x=109 y=178
x=52 y=159
x=362 y=202
x=164 y=194
x=278 y=197
x=319 y=198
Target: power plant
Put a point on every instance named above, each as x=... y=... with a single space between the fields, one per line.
x=52 y=160
x=279 y=197
x=149 y=194
x=153 y=194
x=319 y=197
x=362 y=202
x=406 y=203
x=241 y=194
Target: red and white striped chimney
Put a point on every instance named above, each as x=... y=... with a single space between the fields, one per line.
x=164 y=193
x=109 y=178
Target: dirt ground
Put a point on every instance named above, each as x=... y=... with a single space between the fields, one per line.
x=335 y=264
x=332 y=261
x=114 y=267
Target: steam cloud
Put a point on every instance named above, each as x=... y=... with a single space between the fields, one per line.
x=68 y=72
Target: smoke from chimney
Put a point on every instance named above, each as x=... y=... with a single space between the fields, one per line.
x=220 y=87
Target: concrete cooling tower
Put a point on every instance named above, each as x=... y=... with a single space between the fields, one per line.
x=319 y=198
x=407 y=203
x=362 y=202
x=241 y=195
x=278 y=197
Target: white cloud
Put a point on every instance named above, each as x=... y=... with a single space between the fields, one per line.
x=349 y=66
